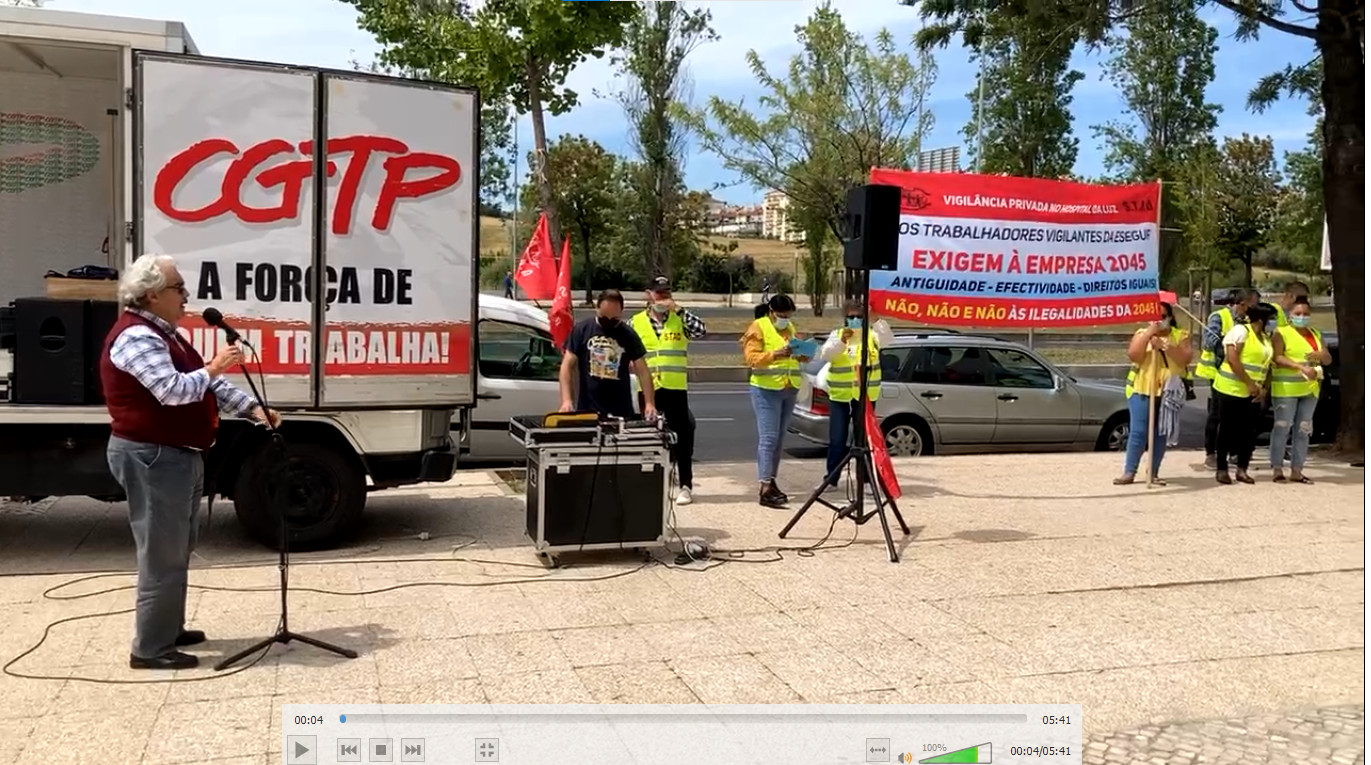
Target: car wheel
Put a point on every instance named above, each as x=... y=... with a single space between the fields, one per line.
x=1114 y=436
x=906 y=439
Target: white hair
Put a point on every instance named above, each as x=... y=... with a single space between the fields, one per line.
x=143 y=277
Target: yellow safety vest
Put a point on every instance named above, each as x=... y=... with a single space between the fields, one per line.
x=666 y=353
x=1281 y=319
x=844 y=376
x=1288 y=383
x=1256 y=360
x=780 y=372
x=1208 y=368
x=1133 y=370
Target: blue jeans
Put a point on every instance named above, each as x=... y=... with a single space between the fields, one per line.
x=773 y=409
x=163 y=485
x=1137 y=436
x=840 y=414
x=1294 y=422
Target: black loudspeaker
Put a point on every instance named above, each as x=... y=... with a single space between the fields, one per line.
x=873 y=234
x=57 y=350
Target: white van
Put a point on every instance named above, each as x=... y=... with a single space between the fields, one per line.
x=517 y=367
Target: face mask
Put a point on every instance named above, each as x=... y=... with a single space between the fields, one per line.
x=781 y=322
x=1299 y=321
x=659 y=308
x=854 y=322
x=607 y=322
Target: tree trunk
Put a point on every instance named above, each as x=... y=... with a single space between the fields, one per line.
x=1344 y=196
x=587 y=269
x=1247 y=270
x=535 y=112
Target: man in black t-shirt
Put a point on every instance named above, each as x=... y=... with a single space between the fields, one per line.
x=596 y=361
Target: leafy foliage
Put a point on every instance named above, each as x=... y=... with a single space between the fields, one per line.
x=515 y=51
x=1025 y=127
x=585 y=197
x=843 y=106
x=656 y=43
x=1300 y=210
x=1248 y=184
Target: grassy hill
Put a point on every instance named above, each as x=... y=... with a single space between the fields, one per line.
x=768 y=253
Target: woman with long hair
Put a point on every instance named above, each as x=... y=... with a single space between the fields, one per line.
x=774 y=377
x=1296 y=378
x=1159 y=353
x=1238 y=388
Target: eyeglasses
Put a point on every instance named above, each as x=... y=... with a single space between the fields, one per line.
x=179 y=287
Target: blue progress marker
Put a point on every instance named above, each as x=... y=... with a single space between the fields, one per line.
x=342 y=718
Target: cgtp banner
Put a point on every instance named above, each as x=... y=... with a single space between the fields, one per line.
x=996 y=251
x=228 y=190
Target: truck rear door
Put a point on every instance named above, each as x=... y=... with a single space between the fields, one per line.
x=228 y=181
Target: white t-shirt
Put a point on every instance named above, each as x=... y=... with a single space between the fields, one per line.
x=1238 y=336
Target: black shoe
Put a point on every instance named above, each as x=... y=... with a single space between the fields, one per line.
x=173 y=660
x=190 y=637
x=778 y=494
x=767 y=497
x=1223 y=477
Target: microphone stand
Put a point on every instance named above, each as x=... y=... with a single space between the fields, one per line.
x=278 y=461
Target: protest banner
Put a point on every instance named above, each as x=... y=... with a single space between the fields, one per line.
x=227 y=186
x=997 y=251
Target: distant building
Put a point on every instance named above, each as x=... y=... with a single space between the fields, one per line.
x=723 y=219
x=776 y=223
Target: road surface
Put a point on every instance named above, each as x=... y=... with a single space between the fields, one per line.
x=726 y=430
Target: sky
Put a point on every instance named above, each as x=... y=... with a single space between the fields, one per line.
x=324 y=33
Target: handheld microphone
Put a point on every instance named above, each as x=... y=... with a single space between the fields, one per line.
x=213 y=318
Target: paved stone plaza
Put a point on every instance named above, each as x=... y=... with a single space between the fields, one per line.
x=1193 y=623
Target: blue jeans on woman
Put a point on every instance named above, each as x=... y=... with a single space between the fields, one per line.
x=773 y=408
x=840 y=415
x=1137 y=435
x=1294 y=422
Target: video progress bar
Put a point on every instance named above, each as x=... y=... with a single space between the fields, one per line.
x=682 y=717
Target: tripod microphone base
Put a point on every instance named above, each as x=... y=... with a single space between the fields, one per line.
x=283 y=637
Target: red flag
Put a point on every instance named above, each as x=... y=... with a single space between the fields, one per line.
x=559 y=316
x=537 y=273
x=880 y=454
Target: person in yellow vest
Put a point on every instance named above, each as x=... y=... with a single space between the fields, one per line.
x=774 y=377
x=1294 y=292
x=1300 y=355
x=1158 y=352
x=1239 y=388
x=666 y=330
x=1220 y=323
x=842 y=375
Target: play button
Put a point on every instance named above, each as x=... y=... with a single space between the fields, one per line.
x=300 y=750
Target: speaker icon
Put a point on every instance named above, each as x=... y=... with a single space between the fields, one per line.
x=906 y=757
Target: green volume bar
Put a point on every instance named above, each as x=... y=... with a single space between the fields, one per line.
x=979 y=754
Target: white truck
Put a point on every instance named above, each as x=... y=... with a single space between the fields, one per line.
x=117 y=138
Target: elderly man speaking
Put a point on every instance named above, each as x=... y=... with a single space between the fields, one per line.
x=164 y=404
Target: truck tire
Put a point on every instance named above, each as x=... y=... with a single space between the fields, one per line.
x=323 y=493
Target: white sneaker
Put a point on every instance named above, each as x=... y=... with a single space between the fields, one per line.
x=683 y=496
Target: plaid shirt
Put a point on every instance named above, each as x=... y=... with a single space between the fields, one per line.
x=142 y=352
x=694 y=325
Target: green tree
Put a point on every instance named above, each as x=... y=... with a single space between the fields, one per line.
x=1022 y=124
x=585 y=198
x=518 y=51
x=1248 y=187
x=1162 y=60
x=658 y=39
x=1299 y=214
x=843 y=106
x=1337 y=29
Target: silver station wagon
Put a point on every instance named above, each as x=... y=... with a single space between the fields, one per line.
x=946 y=393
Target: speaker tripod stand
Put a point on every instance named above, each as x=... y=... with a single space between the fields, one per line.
x=277 y=459
x=859 y=456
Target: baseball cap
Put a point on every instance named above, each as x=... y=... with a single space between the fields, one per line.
x=659 y=284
